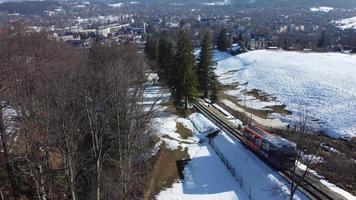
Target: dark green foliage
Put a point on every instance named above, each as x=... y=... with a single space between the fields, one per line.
x=240 y=38
x=223 y=42
x=151 y=49
x=205 y=70
x=185 y=80
x=165 y=59
x=28 y=7
x=214 y=87
x=321 y=41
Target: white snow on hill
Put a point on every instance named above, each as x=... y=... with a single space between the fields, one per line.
x=117 y=5
x=323 y=84
x=218 y=3
x=321 y=9
x=348 y=23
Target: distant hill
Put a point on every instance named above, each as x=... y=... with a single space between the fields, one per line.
x=267 y=3
x=40 y=5
x=28 y=7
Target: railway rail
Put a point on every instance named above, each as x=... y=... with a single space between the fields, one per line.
x=310 y=190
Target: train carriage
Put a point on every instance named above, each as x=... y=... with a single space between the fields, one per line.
x=278 y=151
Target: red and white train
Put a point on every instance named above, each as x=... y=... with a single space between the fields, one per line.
x=280 y=152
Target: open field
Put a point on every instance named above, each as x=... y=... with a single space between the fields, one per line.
x=322 y=85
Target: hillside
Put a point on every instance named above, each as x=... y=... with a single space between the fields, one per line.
x=322 y=84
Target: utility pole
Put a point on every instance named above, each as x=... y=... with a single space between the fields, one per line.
x=245 y=90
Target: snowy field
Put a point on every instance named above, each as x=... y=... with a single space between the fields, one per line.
x=321 y=9
x=348 y=23
x=322 y=84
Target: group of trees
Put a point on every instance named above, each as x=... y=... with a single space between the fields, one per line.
x=80 y=129
x=223 y=42
x=181 y=71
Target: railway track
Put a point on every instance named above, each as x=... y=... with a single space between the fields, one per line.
x=310 y=190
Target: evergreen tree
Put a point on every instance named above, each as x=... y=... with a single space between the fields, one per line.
x=240 y=38
x=185 y=81
x=205 y=69
x=151 y=50
x=223 y=41
x=321 y=41
x=165 y=59
x=214 y=91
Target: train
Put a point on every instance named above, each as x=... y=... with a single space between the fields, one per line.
x=281 y=153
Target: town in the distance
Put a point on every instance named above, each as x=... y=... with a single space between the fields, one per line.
x=178 y=99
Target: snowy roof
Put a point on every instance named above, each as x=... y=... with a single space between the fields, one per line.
x=275 y=140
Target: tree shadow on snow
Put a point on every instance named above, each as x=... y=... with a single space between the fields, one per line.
x=207 y=175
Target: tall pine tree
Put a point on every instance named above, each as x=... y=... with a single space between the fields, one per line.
x=321 y=41
x=214 y=87
x=165 y=59
x=185 y=81
x=205 y=67
x=151 y=50
x=223 y=42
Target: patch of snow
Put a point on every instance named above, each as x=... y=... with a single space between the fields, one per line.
x=250 y=101
x=333 y=187
x=328 y=148
x=321 y=9
x=9 y=117
x=219 y=3
x=275 y=122
x=116 y=5
x=164 y=126
x=313 y=159
x=177 y=4
x=237 y=122
x=222 y=110
x=336 y=189
x=348 y=23
x=205 y=177
x=200 y=181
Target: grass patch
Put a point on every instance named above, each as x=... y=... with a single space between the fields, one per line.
x=3 y=173
x=184 y=132
x=259 y=113
x=165 y=103
x=258 y=95
x=279 y=109
x=167 y=169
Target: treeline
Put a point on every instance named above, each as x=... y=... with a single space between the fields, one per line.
x=187 y=75
x=28 y=7
x=80 y=129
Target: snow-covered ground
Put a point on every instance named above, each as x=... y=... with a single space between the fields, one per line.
x=348 y=23
x=205 y=175
x=321 y=9
x=272 y=121
x=322 y=84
